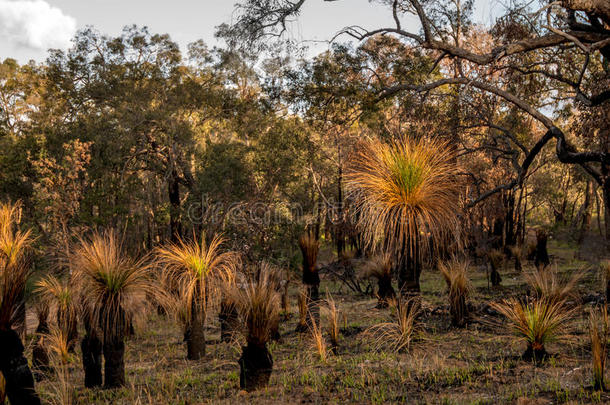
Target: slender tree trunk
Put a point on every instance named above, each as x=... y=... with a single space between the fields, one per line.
x=14 y=367
x=256 y=365
x=585 y=217
x=175 y=226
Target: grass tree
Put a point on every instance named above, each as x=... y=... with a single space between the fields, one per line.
x=14 y=272
x=57 y=294
x=114 y=290
x=538 y=322
x=196 y=273
x=380 y=267
x=402 y=190
x=258 y=303
x=310 y=246
x=455 y=273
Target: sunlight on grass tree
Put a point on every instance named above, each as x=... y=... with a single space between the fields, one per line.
x=402 y=190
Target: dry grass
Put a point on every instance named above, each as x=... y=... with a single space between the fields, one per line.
x=455 y=273
x=113 y=288
x=403 y=187
x=548 y=284
x=62 y=390
x=332 y=312
x=599 y=332
x=302 y=303
x=319 y=342
x=539 y=322
x=398 y=334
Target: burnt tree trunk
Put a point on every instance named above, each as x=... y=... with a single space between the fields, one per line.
x=541 y=258
x=228 y=318
x=91 y=346
x=114 y=361
x=385 y=291
x=14 y=367
x=410 y=267
x=40 y=356
x=195 y=339
x=255 y=366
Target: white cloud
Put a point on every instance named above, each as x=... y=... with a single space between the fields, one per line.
x=35 y=24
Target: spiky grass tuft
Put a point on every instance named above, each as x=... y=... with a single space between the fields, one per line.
x=548 y=284
x=398 y=334
x=113 y=288
x=319 y=341
x=455 y=273
x=599 y=332
x=403 y=187
x=538 y=322
x=196 y=273
x=58 y=294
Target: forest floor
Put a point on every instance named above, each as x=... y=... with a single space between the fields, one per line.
x=478 y=364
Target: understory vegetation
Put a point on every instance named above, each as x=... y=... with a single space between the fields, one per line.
x=417 y=216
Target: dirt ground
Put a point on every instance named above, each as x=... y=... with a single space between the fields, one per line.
x=478 y=364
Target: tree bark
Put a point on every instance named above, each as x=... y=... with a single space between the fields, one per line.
x=40 y=356
x=114 y=362
x=195 y=341
x=409 y=267
x=14 y=367
x=91 y=346
x=385 y=291
x=256 y=365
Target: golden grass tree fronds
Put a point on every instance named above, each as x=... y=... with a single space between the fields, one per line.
x=61 y=389
x=538 y=322
x=55 y=293
x=397 y=334
x=403 y=187
x=548 y=283
x=455 y=273
x=599 y=332
x=310 y=247
x=113 y=288
x=13 y=278
x=13 y=241
x=196 y=272
x=258 y=302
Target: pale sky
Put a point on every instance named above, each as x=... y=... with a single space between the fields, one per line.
x=29 y=27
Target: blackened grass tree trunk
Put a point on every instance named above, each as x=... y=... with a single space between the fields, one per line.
x=91 y=347
x=410 y=267
x=309 y=246
x=195 y=339
x=14 y=367
x=541 y=259
x=229 y=318
x=259 y=305
x=114 y=349
x=40 y=356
